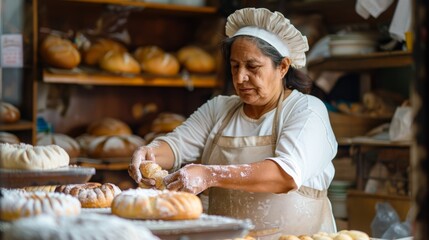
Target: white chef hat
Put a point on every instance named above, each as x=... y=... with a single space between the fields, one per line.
x=271 y=27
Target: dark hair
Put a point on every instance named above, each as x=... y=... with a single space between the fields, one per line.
x=294 y=78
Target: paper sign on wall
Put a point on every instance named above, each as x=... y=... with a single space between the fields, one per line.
x=11 y=51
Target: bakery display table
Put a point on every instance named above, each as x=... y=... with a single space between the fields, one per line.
x=16 y=178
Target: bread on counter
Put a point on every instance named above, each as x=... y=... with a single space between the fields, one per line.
x=59 y=52
x=26 y=156
x=9 y=113
x=157 y=205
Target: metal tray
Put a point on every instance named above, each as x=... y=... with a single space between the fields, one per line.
x=16 y=178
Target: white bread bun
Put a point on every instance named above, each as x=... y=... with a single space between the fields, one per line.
x=10 y=138
x=26 y=156
x=58 y=52
x=119 y=62
x=15 y=206
x=70 y=145
x=156 y=204
x=9 y=113
x=114 y=146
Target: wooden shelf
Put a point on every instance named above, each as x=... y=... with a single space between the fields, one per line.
x=173 y=8
x=362 y=62
x=21 y=125
x=196 y=81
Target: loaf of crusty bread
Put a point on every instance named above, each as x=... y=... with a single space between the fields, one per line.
x=163 y=64
x=153 y=171
x=9 y=113
x=59 y=52
x=147 y=52
x=196 y=59
x=6 y=137
x=26 y=156
x=166 y=122
x=92 y=194
x=119 y=62
x=18 y=205
x=99 y=48
x=157 y=204
x=114 y=146
x=70 y=145
x=108 y=127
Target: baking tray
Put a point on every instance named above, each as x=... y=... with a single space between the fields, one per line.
x=207 y=227
x=16 y=178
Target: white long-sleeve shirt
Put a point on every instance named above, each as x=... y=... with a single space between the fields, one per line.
x=305 y=147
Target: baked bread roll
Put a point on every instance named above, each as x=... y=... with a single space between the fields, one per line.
x=10 y=138
x=196 y=60
x=147 y=52
x=9 y=113
x=70 y=145
x=166 y=122
x=85 y=226
x=109 y=127
x=163 y=64
x=153 y=171
x=45 y=188
x=96 y=51
x=119 y=62
x=91 y=195
x=15 y=206
x=59 y=52
x=26 y=156
x=114 y=146
x=157 y=204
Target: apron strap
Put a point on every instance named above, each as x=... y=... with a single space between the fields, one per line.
x=275 y=127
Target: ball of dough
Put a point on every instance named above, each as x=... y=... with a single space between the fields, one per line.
x=15 y=206
x=70 y=145
x=9 y=113
x=26 y=156
x=157 y=204
x=85 y=226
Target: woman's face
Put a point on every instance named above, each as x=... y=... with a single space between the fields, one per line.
x=254 y=76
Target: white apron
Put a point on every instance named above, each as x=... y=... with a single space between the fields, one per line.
x=305 y=211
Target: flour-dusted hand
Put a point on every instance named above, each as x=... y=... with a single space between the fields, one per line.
x=140 y=156
x=193 y=178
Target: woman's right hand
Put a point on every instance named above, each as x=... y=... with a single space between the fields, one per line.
x=141 y=156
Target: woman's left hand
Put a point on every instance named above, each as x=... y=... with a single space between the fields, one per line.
x=193 y=178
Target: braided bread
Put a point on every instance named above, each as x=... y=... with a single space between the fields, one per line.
x=17 y=205
x=156 y=204
x=153 y=171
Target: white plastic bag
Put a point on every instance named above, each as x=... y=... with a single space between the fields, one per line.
x=401 y=126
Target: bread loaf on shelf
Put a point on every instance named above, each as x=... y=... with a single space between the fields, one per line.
x=196 y=60
x=120 y=146
x=9 y=113
x=18 y=205
x=147 y=52
x=6 y=137
x=59 y=52
x=166 y=122
x=162 y=64
x=70 y=145
x=108 y=127
x=157 y=205
x=99 y=48
x=119 y=62
x=26 y=156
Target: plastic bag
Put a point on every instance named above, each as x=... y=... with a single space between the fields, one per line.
x=401 y=125
x=385 y=216
x=398 y=230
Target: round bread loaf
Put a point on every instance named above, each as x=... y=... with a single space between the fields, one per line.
x=15 y=206
x=85 y=226
x=119 y=62
x=26 y=156
x=163 y=64
x=166 y=122
x=157 y=204
x=153 y=171
x=108 y=127
x=114 y=146
x=70 y=145
x=91 y=195
x=6 y=137
x=196 y=59
x=9 y=113
x=96 y=51
x=147 y=52
x=59 y=52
